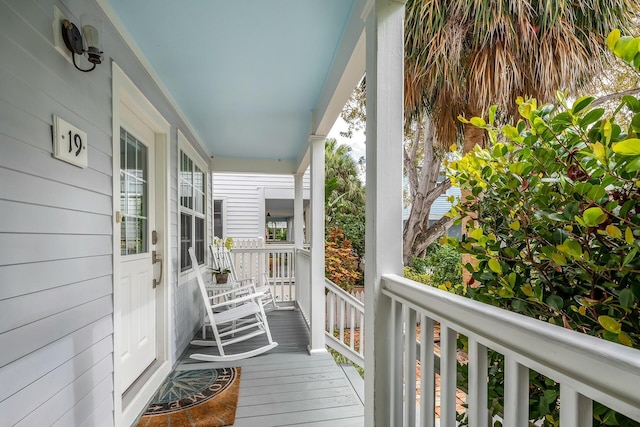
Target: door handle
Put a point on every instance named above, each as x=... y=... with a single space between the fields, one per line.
x=155 y=259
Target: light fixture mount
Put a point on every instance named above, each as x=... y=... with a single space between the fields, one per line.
x=77 y=45
x=72 y=37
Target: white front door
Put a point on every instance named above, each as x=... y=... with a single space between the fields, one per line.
x=137 y=244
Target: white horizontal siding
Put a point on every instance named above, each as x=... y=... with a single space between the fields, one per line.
x=56 y=273
x=243 y=201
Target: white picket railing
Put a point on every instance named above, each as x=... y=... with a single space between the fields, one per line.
x=587 y=368
x=344 y=318
x=303 y=282
x=272 y=263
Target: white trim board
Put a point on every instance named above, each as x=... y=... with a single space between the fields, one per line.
x=184 y=144
x=125 y=92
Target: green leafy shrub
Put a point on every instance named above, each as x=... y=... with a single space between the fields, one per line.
x=413 y=274
x=445 y=264
x=441 y=267
x=556 y=234
x=558 y=217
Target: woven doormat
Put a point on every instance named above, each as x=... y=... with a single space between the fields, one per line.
x=203 y=397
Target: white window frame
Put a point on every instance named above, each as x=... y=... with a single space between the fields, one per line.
x=184 y=146
x=223 y=201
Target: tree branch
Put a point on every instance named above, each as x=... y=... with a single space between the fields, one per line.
x=613 y=96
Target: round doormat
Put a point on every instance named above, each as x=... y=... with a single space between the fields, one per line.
x=203 y=397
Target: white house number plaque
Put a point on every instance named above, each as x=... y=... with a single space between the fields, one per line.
x=69 y=143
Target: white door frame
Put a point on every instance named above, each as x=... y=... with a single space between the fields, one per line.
x=125 y=92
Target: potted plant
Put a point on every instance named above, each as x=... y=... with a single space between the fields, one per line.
x=221 y=275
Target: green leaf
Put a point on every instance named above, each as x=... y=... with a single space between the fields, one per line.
x=515 y=225
x=593 y=217
x=630 y=256
x=610 y=324
x=492 y=114
x=628 y=236
x=613 y=38
x=550 y=395
x=635 y=288
x=592 y=117
x=478 y=121
x=635 y=122
x=634 y=165
x=510 y=132
x=628 y=147
x=627 y=298
x=555 y=302
x=632 y=102
x=614 y=231
x=582 y=103
x=495 y=266
x=559 y=259
x=476 y=233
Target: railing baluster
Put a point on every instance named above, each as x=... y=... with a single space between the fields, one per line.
x=447 y=376
x=331 y=312
x=576 y=410
x=361 y=335
x=395 y=370
x=341 y=319
x=477 y=396
x=409 y=367
x=352 y=327
x=516 y=393
x=427 y=374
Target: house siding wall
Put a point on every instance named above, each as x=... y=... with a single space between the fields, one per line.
x=243 y=199
x=56 y=274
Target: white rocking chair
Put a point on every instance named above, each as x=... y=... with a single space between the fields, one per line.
x=235 y=316
x=221 y=259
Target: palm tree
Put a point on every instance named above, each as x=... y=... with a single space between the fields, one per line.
x=343 y=189
x=461 y=56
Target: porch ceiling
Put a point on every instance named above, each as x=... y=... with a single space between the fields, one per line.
x=253 y=78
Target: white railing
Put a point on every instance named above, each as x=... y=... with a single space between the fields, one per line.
x=303 y=282
x=344 y=323
x=587 y=368
x=273 y=263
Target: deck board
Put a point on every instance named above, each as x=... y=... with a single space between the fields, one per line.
x=287 y=386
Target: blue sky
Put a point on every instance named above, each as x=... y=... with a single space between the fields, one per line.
x=358 y=147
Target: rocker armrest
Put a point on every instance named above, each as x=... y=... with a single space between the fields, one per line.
x=240 y=289
x=252 y=296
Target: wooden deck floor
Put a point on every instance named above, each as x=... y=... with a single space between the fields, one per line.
x=286 y=386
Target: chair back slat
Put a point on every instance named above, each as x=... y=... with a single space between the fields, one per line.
x=205 y=296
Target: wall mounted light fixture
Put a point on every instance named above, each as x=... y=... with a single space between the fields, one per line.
x=87 y=43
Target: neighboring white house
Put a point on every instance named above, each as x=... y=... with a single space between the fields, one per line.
x=247 y=206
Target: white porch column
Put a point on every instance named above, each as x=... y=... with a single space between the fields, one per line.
x=317 y=344
x=298 y=211
x=385 y=42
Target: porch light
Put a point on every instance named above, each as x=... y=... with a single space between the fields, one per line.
x=87 y=43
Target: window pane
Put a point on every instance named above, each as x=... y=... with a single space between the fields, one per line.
x=133 y=195
x=198 y=184
x=217 y=218
x=199 y=237
x=186 y=181
x=185 y=241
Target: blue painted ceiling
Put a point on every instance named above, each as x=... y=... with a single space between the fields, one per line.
x=246 y=73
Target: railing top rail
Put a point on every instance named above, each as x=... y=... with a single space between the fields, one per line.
x=343 y=294
x=304 y=252
x=604 y=371
x=266 y=250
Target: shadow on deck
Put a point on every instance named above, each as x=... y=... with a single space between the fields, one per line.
x=287 y=386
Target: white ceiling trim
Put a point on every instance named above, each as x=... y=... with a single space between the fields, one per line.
x=117 y=23
x=226 y=164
